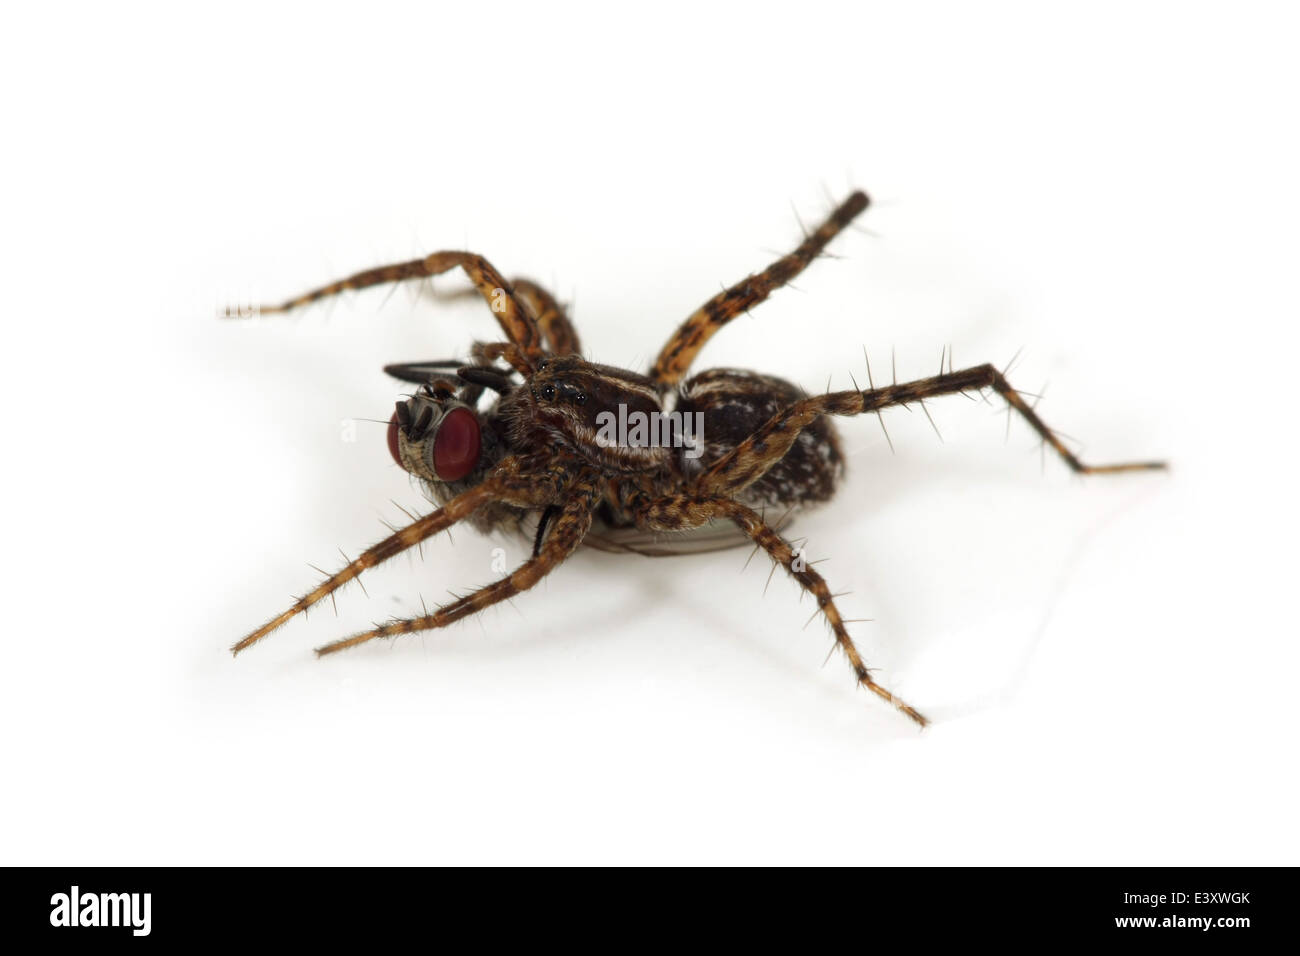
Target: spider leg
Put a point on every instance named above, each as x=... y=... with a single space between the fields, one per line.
x=489 y=352
x=513 y=316
x=556 y=328
x=751 y=458
x=566 y=533
x=558 y=331
x=503 y=484
x=680 y=351
x=679 y=513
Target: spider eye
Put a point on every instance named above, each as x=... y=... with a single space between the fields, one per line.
x=580 y=398
x=457 y=445
x=548 y=392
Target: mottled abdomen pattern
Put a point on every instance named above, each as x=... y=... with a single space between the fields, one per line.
x=736 y=403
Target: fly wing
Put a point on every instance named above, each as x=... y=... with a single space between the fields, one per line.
x=721 y=536
x=718 y=536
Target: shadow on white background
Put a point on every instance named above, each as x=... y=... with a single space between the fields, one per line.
x=1107 y=661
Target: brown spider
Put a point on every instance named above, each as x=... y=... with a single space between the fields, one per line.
x=541 y=447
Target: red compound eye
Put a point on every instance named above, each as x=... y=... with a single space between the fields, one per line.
x=393 y=447
x=457 y=445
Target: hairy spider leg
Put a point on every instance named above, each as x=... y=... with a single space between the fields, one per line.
x=683 y=512
x=515 y=319
x=680 y=351
x=507 y=482
x=566 y=533
x=557 y=329
x=751 y=458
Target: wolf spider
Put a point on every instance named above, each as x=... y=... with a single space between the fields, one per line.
x=533 y=451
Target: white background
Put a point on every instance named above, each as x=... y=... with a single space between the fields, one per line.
x=1110 y=663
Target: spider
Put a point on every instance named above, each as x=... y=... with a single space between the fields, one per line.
x=535 y=458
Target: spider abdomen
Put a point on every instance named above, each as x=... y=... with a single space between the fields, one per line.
x=735 y=404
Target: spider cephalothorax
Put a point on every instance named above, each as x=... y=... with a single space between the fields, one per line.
x=568 y=403
x=554 y=444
